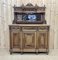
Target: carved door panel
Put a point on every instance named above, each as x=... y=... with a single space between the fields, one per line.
x=15 y=39
x=29 y=39
x=42 y=40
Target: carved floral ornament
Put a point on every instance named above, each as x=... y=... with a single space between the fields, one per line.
x=30 y=5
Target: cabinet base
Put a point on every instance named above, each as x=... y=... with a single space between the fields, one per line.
x=30 y=53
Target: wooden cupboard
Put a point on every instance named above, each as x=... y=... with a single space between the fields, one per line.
x=29 y=38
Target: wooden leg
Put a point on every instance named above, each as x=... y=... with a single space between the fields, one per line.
x=47 y=53
x=10 y=52
x=21 y=53
x=36 y=53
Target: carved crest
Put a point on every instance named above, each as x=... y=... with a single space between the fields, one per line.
x=29 y=4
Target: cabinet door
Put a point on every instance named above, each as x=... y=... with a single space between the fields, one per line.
x=42 y=40
x=15 y=40
x=29 y=38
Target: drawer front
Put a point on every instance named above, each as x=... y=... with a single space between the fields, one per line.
x=43 y=28
x=15 y=28
x=29 y=28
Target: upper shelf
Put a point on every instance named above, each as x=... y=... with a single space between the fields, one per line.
x=21 y=14
x=29 y=11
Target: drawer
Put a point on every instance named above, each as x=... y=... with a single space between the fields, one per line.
x=15 y=27
x=12 y=28
x=29 y=28
x=43 y=27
